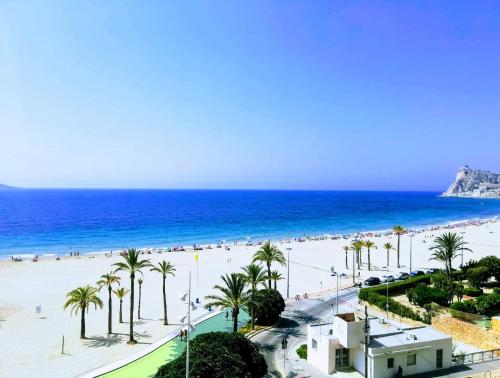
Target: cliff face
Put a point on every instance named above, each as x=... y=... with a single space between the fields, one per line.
x=474 y=183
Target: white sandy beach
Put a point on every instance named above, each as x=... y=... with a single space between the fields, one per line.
x=32 y=342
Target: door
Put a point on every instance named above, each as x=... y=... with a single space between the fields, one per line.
x=341 y=358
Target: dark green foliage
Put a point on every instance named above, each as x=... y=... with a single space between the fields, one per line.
x=465 y=306
x=478 y=276
x=302 y=351
x=496 y=290
x=472 y=292
x=269 y=305
x=395 y=307
x=422 y=294
x=218 y=355
x=488 y=305
x=492 y=264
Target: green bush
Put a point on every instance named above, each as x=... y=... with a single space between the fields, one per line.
x=269 y=305
x=218 y=355
x=488 y=305
x=465 y=306
x=473 y=292
x=420 y=295
x=496 y=290
x=478 y=276
x=302 y=351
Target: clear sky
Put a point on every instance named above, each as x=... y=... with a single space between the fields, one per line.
x=257 y=94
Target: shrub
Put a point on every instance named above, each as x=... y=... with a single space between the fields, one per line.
x=472 y=292
x=488 y=305
x=493 y=265
x=465 y=306
x=218 y=355
x=302 y=351
x=478 y=276
x=422 y=294
x=496 y=290
x=269 y=305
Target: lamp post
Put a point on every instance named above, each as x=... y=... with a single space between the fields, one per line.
x=353 y=268
x=411 y=245
x=288 y=273
x=462 y=254
x=284 y=344
x=338 y=275
x=189 y=328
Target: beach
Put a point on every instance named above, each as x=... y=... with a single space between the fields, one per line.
x=32 y=340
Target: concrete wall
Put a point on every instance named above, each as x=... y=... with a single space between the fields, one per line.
x=349 y=333
x=323 y=356
x=495 y=323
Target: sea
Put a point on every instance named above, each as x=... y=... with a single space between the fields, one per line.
x=60 y=221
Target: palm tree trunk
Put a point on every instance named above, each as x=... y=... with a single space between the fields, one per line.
x=369 y=260
x=121 y=303
x=109 y=310
x=252 y=310
x=235 y=319
x=131 y=330
x=361 y=257
x=139 y=306
x=275 y=285
x=269 y=274
x=346 y=266
x=165 y=319
x=398 y=250
x=387 y=259
x=357 y=256
x=82 y=324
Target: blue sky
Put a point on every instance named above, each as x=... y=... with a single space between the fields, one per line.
x=374 y=95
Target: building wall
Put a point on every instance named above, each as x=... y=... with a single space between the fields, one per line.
x=426 y=359
x=323 y=356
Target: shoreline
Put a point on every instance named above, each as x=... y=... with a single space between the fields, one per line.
x=254 y=241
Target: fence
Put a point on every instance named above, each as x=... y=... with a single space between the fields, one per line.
x=474 y=358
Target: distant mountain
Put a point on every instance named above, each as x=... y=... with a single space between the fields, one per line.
x=474 y=183
x=6 y=187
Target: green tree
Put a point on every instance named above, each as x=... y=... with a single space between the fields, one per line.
x=388 y=247
x=132 y=264
x=346 y=250
x=253 y=275
x=269 y=304
x=441 y=281
x=446 y=248
x=165 y=268
x=357 y=246
x=121 y=293
x=369 y=245
x=233 y=296
x=268 y=254
x=478 y=276
x=140 y=282
x=108 y=280
x=218 y=355
x=80 y=299
x=488 y=305
x=276 y=276
x=398 y=230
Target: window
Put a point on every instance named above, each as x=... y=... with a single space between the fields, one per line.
x=314 y=344
x=439 y=358
x=411 y=359
x=390 y=363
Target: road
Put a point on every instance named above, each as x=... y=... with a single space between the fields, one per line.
x=293 y=325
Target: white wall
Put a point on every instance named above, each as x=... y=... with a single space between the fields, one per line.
x=323 y=357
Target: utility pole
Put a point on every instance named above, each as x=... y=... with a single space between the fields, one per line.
x=366 y=328
x=411 y=245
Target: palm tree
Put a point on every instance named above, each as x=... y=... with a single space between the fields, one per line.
x=369 y=244
x=164 y=268
x=357 y=245
x=276 y=276
x=121 y=293
x=346 y=249
x=132 y=264
x=80 y=299
x=139 y=281
x=388 y=247
x=446 y=248
x=253 y=276
x=268 y=254
x=398 y=230
x=233 y=296
x=109 y=279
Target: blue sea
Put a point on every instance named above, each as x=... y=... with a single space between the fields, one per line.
x=46 y=221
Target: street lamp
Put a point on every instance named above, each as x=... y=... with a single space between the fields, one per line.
x=338 y=275
x=284 y=345
x=462 y=259
x=411 y=244
x=288 y=273
x=186 y=299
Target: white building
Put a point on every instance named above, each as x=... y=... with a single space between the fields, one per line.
x=341 y=344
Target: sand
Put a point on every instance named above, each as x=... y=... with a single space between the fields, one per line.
x=31 y=342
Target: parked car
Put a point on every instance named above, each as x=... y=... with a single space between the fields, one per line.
x=432 y=270
x=417 y=273
x=402 y=276
x=372 y=281
x=389 y=278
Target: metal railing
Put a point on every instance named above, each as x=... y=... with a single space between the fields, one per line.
x=476 y=357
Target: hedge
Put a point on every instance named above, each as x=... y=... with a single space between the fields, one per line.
x=377 y=296
x=472 y=292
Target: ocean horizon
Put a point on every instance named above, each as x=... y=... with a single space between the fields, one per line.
x=60 y=221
